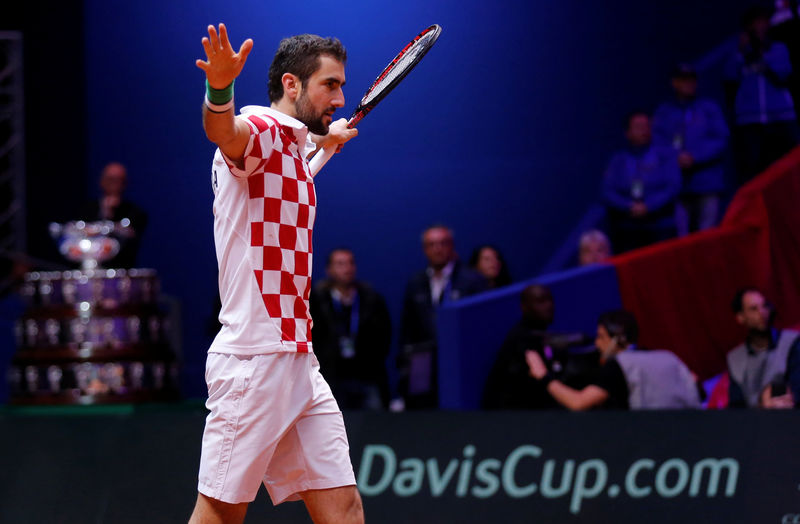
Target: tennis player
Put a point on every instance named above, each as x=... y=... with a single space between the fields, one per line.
x=273 y=419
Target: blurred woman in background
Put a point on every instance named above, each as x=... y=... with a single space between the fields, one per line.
x=488 y=261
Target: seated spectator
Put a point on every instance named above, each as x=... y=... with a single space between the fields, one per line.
x=758 y=77
x=696 y=129
x=640 y=189
x=785 y=28
x=593 y=248
x=627 y=378
x=112 y=206
x=488 y=261
x=510 y=385
x=351 y=334
x=445 y=279
x=764 y=371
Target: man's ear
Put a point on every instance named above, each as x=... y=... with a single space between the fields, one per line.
x=740 y=318
x=291 y=86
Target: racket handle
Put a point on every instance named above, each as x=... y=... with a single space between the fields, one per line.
x=322 y=156
x=320 y=159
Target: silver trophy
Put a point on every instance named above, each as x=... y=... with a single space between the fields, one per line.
x=90 y=243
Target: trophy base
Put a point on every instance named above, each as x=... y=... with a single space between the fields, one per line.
x=67 y=398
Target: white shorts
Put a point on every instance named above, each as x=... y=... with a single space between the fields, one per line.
x=273 y=420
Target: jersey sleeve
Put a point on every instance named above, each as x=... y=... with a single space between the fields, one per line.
x=263 y=132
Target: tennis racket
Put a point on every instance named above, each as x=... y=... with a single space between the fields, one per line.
x=396 y=71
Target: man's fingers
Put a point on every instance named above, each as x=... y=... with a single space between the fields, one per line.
x=247 y=46
x=207 y=48
x=224 y=43
x=202 y=65
x=212 y=35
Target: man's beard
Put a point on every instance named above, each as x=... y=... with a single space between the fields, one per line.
x=306 y=114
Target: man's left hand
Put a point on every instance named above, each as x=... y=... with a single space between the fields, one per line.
x=338 y=134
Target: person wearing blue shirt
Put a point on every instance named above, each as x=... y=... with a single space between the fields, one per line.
x=759 y=74
x=640 y=189
x=695 y=128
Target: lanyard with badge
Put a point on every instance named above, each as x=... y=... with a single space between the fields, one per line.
x=347 y=346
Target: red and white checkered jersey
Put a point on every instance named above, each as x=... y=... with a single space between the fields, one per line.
x=263 y=218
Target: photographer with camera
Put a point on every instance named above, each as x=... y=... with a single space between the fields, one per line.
x=510 y=385
x=628 y=378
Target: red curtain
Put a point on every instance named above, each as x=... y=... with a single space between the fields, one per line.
x=681 y=290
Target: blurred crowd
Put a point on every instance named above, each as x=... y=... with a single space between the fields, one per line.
x=670 y=180
x=671 y=177
x=535 y=368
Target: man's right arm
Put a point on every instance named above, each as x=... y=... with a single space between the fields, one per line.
x=231 y=134
x=573 y=399
x=577 y=400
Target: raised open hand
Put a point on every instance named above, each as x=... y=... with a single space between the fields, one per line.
x=222 y=65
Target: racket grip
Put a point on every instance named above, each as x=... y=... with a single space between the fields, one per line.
x=320 y=159
x=325 y=154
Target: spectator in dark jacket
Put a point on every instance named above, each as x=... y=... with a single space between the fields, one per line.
x=510 y=385
x=112 y=206
x=445 y=279
x=351 y=334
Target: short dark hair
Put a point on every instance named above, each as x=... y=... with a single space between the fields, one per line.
x=299 y=55
x=737 y=304
x=437 y=225
x=504 y=277
x=338 y=250
x=621 y=324
x=684 y=70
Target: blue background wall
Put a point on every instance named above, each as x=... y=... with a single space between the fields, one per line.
x=502 y=132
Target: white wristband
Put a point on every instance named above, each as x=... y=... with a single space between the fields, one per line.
x=216 y=108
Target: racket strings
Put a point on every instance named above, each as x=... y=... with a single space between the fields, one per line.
x=407 y=60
